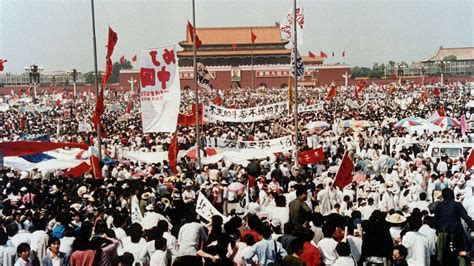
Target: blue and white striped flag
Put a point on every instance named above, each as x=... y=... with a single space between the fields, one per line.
x=299 y=65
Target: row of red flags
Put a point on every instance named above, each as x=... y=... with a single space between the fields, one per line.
x=324 y=55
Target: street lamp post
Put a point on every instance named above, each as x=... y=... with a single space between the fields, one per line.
x=442 y=64
x=34 y=77
x=422 y=73
x=400 y=68
x=73 y=73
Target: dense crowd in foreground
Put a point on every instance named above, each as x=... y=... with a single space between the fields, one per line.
x=402 y=208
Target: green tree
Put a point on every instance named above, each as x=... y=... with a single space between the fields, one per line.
x=89 y=77
x=116 y=70
x=450 y=58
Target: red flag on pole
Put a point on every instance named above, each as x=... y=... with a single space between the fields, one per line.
x=344 y=174
x=392 y=89
x=108 y=71
x=311 y=55
x=112 y=41
x=323 y=54
x=122 y=59
x=470 y=161
x=441 y=111
x=134 y=58
x=311 y=156
x=253 y=37
x=95 y=165
x=2 y=61
x=191 y=30
x=343 y=53
x=331 y=93
x=173 y=153
x=424 y=97
x=99 y=108
x=217 y=101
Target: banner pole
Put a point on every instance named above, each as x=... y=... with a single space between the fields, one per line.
x=196 y=92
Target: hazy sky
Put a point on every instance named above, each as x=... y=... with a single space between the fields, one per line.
x=57 y=34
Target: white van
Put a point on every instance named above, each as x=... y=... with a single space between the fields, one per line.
x=452 y=150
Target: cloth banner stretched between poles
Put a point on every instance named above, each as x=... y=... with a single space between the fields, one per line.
x=254 y=114
x=274 y=145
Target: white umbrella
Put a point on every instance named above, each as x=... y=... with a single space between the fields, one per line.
x=317 y=125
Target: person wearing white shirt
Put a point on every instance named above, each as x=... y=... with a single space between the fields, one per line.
x=159 y=257
x=327 y=246
x=189 y=238
x=430 y=233
x=421 y=204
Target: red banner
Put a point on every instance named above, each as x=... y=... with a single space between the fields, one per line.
x=311 y=156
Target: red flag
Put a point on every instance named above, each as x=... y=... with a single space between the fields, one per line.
x=108 y=72
x=189 y=120
x=311 y=156
x=95 y=165
x=2 y=61
x=332 y=54
x=111 y=42
x=173 y=153
x=134 y=58
x=424 y=97
x=392 y=89
x=253 y=37
x=78 y=170
x=441 y=111
x=470 y=161
x=331 y=93
x=344 y=174
x=122 y=59
x=20 y=148
x=22 y=124
x=191 y=30
x=129 y=107
x=323 y=54
x=436 y=92
x=311 y=55
x=217 y=101
x=99 y=108
x=356 y=93
x=343 y=53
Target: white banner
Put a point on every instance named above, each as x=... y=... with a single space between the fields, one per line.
x=272 y=145
x=217 y=113
x=205 y=209
x=160 y=89
x=146 y=157
x=286 y=27
x=309 y=108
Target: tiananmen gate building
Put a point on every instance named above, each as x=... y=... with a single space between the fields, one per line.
x=228 y=53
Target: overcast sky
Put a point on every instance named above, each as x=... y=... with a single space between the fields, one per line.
x=57 y=34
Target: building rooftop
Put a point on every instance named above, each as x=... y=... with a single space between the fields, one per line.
x=237 y=35
x=461 y=53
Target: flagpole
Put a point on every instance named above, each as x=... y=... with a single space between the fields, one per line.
x=99 y=129
x=295 y=50
x=196 y=92
x=251 y=56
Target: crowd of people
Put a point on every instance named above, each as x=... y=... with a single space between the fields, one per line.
x=402 y=208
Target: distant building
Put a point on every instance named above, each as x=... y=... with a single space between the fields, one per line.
x=46 y=78
x=452 y=61
x=228 y=53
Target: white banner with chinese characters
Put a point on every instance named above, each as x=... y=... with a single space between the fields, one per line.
x=160 y=89
x=310 y=108
x=205 y=209
x=247 y=115
x=271 y=145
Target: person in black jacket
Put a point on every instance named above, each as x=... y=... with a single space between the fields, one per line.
x=447 y=219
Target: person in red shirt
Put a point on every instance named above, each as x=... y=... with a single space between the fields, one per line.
x=310 y=255
x=254 y=223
